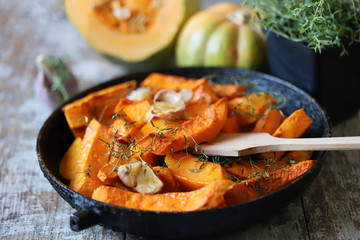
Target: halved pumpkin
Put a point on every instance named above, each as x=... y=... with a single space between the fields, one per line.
x=135 y=32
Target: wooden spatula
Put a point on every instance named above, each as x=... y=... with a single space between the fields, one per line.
x=241 y=144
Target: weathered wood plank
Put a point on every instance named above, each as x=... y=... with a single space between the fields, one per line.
x=332 y=204
x=29 y=207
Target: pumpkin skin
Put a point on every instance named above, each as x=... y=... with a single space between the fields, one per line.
x=212 y=38
x=133 y=49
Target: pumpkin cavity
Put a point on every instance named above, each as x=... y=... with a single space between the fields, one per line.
x=129 y=17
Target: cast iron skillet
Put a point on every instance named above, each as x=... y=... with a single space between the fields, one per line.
x=55 y=137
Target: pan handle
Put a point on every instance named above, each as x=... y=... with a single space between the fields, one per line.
x=83 y=219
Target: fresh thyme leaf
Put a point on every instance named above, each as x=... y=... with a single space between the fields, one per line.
x=172 y=153
x=196 y=148
x=197 y=170
x=282 y=113
x=86 y=119
x=116 y=167
x=222 y=160
x=87 y=172
x=129 y=123
x=318 y=24
x=234 y=178
x=103 y=110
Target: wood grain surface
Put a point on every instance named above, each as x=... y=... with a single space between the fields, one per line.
x=31 y=209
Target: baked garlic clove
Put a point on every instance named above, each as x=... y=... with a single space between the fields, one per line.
x=167 y=102
x=140 y=176
x=186 y=95
x=148 y=181
x=140 y=93
x=128 y=173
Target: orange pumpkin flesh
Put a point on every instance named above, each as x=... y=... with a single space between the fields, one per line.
x=131 y=31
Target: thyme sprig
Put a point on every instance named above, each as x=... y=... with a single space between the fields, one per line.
x=318 y=24
x=87 y=172
x=62 y=75
x=56 y=70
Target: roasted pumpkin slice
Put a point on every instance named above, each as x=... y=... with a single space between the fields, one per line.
x=93 y=156
x=138 y=33
x=191 y=172
x=210 y=196
x=203 y=128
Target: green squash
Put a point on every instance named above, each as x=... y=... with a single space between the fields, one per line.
x=220 y=36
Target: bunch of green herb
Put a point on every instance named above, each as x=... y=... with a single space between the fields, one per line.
x=54 y=82
x=315 y=23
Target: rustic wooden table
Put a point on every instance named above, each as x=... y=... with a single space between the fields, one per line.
x=31 y=209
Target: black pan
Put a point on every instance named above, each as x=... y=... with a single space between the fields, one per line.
x=55 y=137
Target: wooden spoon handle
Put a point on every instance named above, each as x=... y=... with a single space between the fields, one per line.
x=235 y=145
x=331 y=143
